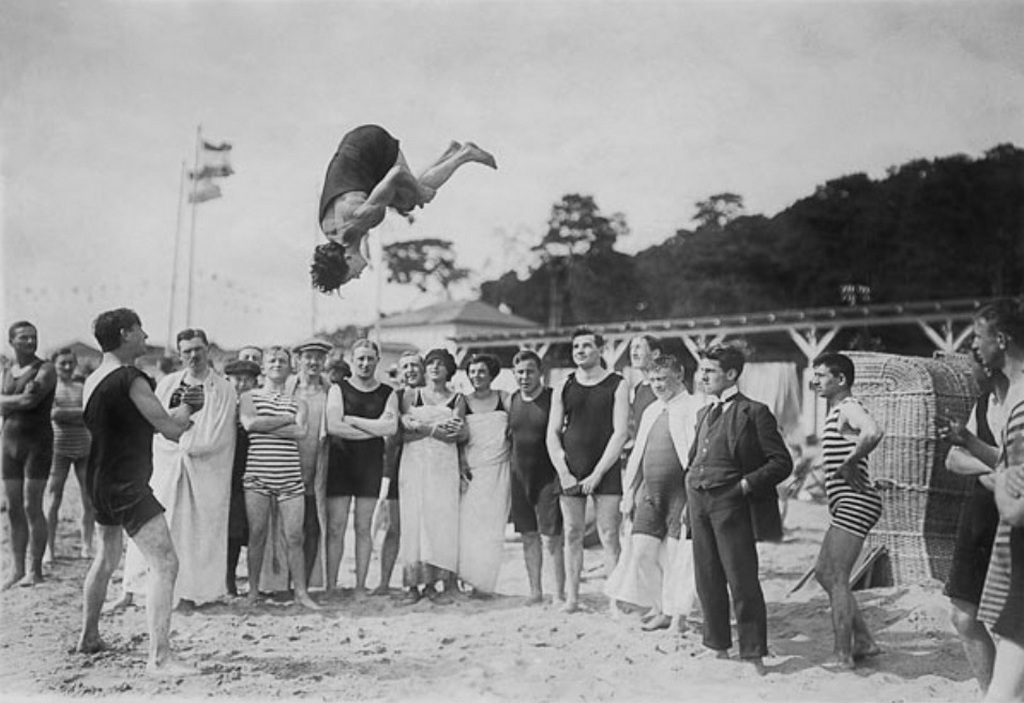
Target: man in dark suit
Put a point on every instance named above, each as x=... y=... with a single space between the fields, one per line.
x=737 y=459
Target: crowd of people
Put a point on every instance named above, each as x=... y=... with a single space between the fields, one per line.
x=281 y=450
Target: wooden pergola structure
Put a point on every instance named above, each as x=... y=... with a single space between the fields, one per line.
x=946 y=324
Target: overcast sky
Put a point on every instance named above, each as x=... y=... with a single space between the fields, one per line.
x=647 y=106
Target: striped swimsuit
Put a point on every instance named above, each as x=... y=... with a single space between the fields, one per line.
x=273 y=467
x=851 y=510
x=1002 y=601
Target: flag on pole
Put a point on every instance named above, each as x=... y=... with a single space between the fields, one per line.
x=205 y=189
x=214 y=161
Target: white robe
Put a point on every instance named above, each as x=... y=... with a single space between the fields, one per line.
x=484 y=506
x=192 y=480
x=669 y=585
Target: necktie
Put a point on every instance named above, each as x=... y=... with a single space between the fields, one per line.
x=714 y=413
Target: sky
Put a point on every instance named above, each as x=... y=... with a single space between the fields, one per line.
x=647 y=106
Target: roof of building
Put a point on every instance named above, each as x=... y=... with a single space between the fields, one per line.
x=472 y=312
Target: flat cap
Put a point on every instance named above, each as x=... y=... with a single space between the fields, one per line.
x=312 y=344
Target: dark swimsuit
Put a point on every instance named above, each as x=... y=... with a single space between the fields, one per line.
x=363 y=158
x=27 y=436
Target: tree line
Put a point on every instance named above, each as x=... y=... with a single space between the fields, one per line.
x=951 y=227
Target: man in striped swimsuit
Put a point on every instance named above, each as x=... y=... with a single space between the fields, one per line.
x=854 y=505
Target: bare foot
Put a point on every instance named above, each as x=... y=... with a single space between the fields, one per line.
x=571 y=606
x=475 y=153
x=48 y=558
x=359 y=595
x=169 y=668
x=453 y=146
x=381 y=590
x=90 y=644
x=721 y=654
x=681 y=625
x=658 y=622
x=305 y=601
x=86 y=552
x=535 y=599
x=650 y=615
x=12 y=580
x=31 y=579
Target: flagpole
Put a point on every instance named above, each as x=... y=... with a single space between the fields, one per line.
x=312 y=291
x=177 y=258
x=192 y=232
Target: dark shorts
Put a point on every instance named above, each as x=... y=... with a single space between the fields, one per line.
x=26 y=456
x=356 y=478
x=543 y=515
x=659 y=511
x=363 y=158
x=1011 y=620
x=131 y=515
x=973 y=549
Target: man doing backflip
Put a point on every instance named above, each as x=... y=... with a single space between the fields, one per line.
x=122 y=412
x=367 y=175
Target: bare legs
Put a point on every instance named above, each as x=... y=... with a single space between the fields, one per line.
x=1007 y=685
x=574 y=510
x=337 y=524
x=457 y=155
x=574 y=519
x=28 y=529
x=389 y=550
x=364 y=541
x=533 y=556
x=609 y=519
x=977 y=642
x=292 y=511
x=434 y=176
x=839 y=551
x=650 y=576
x=55 y=496
x=257 y=511
x=154 y=541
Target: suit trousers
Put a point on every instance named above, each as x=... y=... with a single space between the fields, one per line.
x=725 y=554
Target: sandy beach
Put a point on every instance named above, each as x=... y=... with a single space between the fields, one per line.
x=471 y=650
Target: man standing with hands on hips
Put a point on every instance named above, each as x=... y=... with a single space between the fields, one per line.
x=735 y=462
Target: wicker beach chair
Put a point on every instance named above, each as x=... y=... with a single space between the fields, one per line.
x=922 y=502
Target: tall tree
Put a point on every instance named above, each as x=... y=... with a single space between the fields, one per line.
x=424 y=263
x=718 y=211
x=577 y=229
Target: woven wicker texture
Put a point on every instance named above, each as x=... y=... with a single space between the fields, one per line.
x=922 y=502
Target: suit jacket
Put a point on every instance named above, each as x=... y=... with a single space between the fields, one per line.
x=759 y=451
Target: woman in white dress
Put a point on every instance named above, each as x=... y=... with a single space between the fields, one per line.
x=428 y=480
x=484 y=508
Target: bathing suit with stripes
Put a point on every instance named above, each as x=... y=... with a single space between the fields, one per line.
x=851 y=510
x=273 y=467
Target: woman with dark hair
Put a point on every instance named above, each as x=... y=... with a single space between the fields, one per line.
x=428 y=480
x=486 y=498
x=367 y=175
